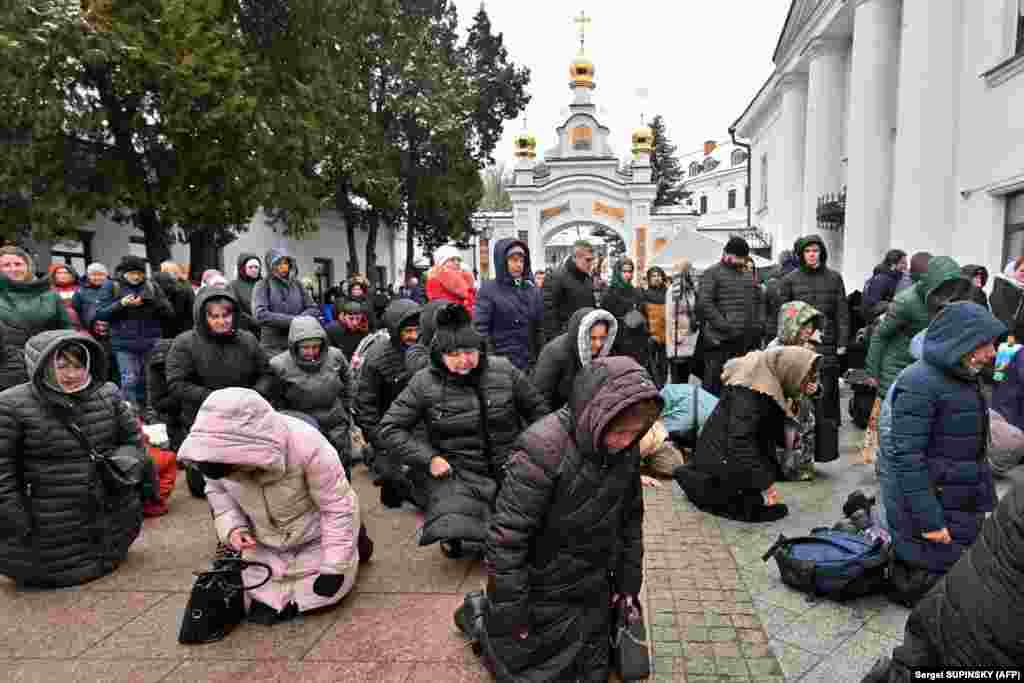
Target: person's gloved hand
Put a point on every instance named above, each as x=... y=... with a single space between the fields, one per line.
x=328 y=585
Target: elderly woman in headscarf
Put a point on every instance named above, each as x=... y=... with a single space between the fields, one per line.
x=280 y=496
x=734 y=467
x=59 y=524
x=626 y=302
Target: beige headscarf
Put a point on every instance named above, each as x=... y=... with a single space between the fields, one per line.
x=778 y=373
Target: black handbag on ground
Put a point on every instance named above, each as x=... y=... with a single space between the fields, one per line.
x=216 y=604
x=631 y=658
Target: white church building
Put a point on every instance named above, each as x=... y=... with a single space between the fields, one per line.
x=893 y=124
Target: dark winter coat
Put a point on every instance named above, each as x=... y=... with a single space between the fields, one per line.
x=566 y=290
x=243 y=286
x=1008 y=395
x=183 y=301
x=199 y=362
x=971 y=618
x=933 y=469
x=417 y=356
x=889 y=351
x=87 y=301
x=384 y=374
x=880 y=287
x=159 y=397
x=620 y=300
x=823 y=289
x=731 y=306
x=26 y=309
x=654 y=305
x=1008 y=304
x=566 y=533
x=417 y=294
x=275 y=302
x=977 y=295
x=135 y=329
x=773 y=303
x=344 y=339
x=471 y=421
x=562 y=357
x=58 y=525
x=510 y=315
x=319 y=389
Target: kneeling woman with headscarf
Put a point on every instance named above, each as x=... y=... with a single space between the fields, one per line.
x=734 y=468
x=279 y=494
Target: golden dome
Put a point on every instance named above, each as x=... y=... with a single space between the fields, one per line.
x=525 y=146
x=643 y=140
x=581 y=72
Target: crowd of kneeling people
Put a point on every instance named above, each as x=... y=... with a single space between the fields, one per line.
x=538 y=470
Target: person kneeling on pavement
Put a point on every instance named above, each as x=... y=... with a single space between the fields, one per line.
x=566 y=539
x=313 y=378
x=279 y=495
x=936 y=482
x=473 y=406
x=734 y=467
x=971 y=618
x=60 y=525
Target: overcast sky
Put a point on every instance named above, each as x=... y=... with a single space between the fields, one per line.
x=700 y=61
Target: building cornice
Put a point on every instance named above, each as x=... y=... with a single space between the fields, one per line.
x=805 y=33
x=823 y=46
x=1004 y=71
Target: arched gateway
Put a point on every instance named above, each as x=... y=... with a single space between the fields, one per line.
x=581 y=183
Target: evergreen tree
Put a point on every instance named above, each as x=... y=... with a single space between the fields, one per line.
x=665 y=169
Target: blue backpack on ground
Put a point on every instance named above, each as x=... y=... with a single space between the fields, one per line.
x=833 y=564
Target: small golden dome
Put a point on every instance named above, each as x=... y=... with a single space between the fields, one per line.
x=581 y=72
x=643 y=139
x=525 y=146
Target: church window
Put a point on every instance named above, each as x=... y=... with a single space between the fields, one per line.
x=732 y=199
x=1013 y=245
x=703 y=204
x=746 y=195
x=710 y=163
x=694 y=169
x=738 y=157
x=764 y=181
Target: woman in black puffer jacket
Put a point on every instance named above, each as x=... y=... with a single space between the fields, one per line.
x=58 y=525
x=567 y=531
x=474 y=407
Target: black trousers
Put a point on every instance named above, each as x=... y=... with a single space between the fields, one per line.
x=715 y=359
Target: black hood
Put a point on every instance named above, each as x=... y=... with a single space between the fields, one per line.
x=167 y=282
x=240 y=267
x=972 y=270
x=205 y=296
x=428 y=324
x=807 y=241
x=400 y=313
x=40 y=349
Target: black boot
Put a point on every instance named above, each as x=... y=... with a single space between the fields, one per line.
x=365 y=545
x=390 y=495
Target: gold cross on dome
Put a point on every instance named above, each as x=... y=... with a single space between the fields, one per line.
x=582 y=20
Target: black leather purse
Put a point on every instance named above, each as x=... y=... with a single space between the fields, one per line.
x=630 y=655
x=121 y=469
x=216 y=604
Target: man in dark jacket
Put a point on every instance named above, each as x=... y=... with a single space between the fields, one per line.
x=565 y=541
x=816 y=284
x=978 y=275
x=413 y=290
x=732 y=307
x=591 y=335
x=935 y=479
x=182 y=299
x=278 y=299
x=313 y=378
x=568 y=289
x=880 y=289
x=136 y=312
x=381 y=378
x=972 y=617
x=787 y=264
x=473 y=406
x=249 y=272
x=351 y=327
x=509 y=311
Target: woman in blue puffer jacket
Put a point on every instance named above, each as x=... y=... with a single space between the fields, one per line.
x=935 y=479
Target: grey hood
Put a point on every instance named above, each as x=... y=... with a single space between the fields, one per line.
x=276 y=255
x=204 y=296
x=304 y=328
x=579 y=328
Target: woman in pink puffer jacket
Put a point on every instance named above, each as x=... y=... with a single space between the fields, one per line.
x=279 y=494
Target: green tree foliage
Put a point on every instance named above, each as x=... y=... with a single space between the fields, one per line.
x=665 y=169
x=496 y=180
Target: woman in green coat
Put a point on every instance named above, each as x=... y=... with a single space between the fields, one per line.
x=27 y=307
x=889 y=351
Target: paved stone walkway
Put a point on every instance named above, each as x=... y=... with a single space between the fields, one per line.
x=715 y=611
